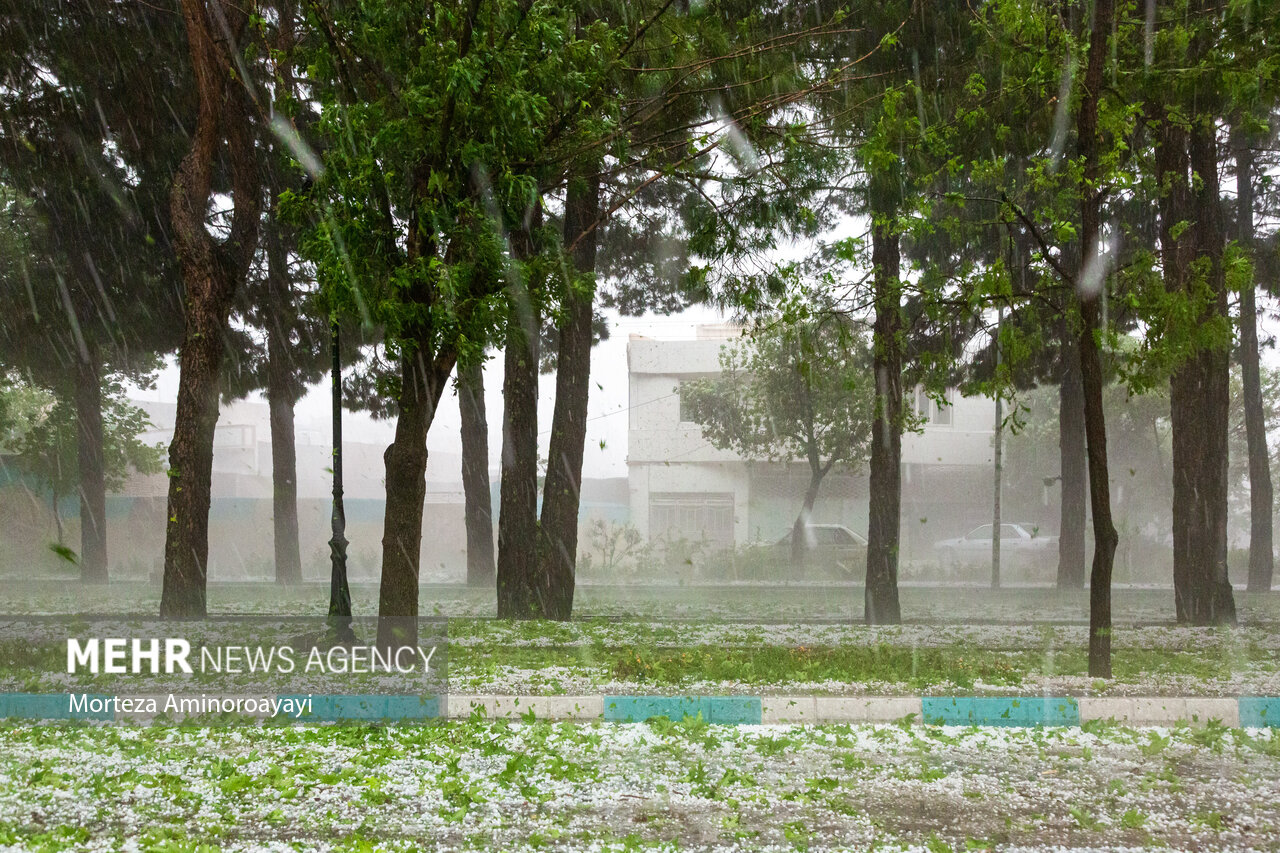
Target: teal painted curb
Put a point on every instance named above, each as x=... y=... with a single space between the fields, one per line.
x=335 y=708
x=56 y=706
x=1254 y=711
x=1258 y=712
x=725 y=710
x=1000 y=711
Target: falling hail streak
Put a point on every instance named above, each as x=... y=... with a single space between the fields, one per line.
x=1094 y=274
x=365 y=317
x=515 y=278
x=72 y=320
x=26 y=280
x=300 y=150
x=1149 y=34
x=1062 y=113
x=741 y=148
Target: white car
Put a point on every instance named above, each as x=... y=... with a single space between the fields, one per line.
x=831 y=546
x=1020 y=544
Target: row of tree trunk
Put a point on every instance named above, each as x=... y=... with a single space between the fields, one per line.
x=535 y=562
x=537 y=557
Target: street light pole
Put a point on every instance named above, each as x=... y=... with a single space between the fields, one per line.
x=999 y=448
x=339 y=592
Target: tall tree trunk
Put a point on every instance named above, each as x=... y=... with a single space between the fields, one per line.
x=422 y=379
x=1261 y=494
x=210 y=273
x=1199 y=394
x=884 y=524
x=518 y=498
x=191 y=454
x=424 y=371
x=1104 y=531
x=1072 y=464
x=284 y=459
x=283 y=386
x=561 y=496
x=799 y=530
x=475 y=476
x=1105 y=538
x=92 y=473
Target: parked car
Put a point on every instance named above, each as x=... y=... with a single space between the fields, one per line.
x=833 y=547
x=1020 y=544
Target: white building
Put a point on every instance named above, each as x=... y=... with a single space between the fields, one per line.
x=682 y=487
x=241 y=526
x=242 y=456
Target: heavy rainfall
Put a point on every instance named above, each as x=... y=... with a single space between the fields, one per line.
x=795 y=426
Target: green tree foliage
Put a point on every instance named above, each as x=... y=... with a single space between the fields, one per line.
x=43 y=436
x=21 y=405
x=88 y=92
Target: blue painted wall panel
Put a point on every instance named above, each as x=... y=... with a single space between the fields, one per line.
x=51 y=706
x=1259 y=711
x=331 y=708
x=1000 y=711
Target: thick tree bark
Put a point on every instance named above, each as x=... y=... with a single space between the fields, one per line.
x=1199 y=394
x=475 y=476
x=1261 y=494
x=210 y=273
x=421 y=382
x=191 y=454
x=884 y=525
x=518 y=498
x=92 y=473
x=1104 y=531
x=284 y=461
x=561 y=496
x=518 y=584
x=1072 y=466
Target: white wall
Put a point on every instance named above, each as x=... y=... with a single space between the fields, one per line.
x=967 y=440
x=644 y=480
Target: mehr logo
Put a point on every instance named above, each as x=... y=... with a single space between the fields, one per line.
x=116 y=657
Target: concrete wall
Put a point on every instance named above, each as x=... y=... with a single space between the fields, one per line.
x=646 y=480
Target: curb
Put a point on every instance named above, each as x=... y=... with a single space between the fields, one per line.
x=1007 y=711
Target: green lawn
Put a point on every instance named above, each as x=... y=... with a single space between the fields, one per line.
x=735 y=603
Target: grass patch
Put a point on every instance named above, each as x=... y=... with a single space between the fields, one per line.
x=773 y=665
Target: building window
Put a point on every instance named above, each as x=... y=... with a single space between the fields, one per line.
x=692 y=516
x=930 y=411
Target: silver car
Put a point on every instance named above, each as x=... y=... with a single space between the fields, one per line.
x=1020 y=544
x=833 y=547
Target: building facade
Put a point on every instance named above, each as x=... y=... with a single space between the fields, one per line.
x=682 y=487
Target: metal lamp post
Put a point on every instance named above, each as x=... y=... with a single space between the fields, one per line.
x=998 y=485
x=339 y=592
